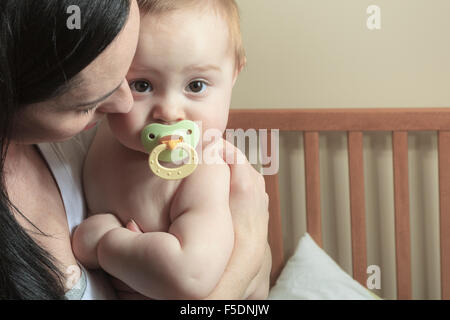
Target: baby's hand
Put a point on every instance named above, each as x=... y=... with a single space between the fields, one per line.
x=87 y=236
x=123 y=291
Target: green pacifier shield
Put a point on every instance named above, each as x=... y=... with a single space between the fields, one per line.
x=188 y=130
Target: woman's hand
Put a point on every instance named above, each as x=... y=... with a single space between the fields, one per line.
x=259 y=288
x=124 y=292
x=249 y=208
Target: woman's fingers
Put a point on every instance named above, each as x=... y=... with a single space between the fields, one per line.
x=243 y=175
x=124 y=292
x=132 y=226
x=259 y=288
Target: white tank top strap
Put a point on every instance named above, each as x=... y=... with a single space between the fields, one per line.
x=65 y=160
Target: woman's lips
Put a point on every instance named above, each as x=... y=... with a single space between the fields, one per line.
x=90 y=126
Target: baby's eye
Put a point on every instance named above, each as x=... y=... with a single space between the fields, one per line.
x=141 y=86
x=197 y=86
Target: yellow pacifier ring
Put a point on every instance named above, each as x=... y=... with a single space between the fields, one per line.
x=173 y=173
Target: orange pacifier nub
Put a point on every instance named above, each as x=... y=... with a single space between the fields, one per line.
x=175 y=143
x=170 y=142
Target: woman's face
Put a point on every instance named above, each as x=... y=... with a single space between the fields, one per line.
x=102 y=89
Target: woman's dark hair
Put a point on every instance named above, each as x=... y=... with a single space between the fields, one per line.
x=40 y=57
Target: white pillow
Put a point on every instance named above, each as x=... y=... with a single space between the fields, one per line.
x=310 y=274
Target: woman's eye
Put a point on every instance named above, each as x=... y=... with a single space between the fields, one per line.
x=141 y=86
x=89 y=111
x=197 y=86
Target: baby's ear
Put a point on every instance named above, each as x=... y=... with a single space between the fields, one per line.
x=239 y=68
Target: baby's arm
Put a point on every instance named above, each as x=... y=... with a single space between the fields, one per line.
x=87 y=236
x=188 y=261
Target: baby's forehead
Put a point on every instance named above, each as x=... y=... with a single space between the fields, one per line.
x=180 y=25
x=173 y=15
x=225 y=12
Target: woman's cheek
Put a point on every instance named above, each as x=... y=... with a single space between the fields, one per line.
x=71 y=126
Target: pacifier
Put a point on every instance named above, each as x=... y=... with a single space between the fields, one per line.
x=172 y=143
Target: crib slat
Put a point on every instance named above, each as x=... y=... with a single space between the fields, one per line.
x=357 y=206
x=444 y=204
x=275 y=233
x=402 y=224
x=312 y=177
x=275 y=230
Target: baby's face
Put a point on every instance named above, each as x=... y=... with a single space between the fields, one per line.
x=183 y=70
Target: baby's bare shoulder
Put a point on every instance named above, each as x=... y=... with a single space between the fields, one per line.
x=109 y=170
x=207 y=188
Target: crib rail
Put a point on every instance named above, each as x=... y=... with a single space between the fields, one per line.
x=356 y=121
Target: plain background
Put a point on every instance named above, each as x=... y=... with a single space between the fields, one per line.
x=320 y=54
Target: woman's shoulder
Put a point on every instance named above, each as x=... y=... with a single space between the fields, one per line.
x=65 y=160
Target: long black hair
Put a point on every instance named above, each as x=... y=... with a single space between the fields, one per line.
x=40 y=55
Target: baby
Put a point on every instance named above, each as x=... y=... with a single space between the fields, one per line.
x=179 y=233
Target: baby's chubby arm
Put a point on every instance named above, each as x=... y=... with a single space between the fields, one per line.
x=188 y=261
x=87 y=235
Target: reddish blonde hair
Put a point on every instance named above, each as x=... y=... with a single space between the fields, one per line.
x=227 y=8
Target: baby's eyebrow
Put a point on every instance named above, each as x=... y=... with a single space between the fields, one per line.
x=139 y=68
x=202 y=68
x=191 y=68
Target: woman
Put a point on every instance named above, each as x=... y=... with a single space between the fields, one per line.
x=56 y=82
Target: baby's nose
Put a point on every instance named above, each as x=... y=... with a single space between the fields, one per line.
x=168 y=117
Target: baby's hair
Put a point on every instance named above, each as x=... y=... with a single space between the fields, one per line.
x=227 y=8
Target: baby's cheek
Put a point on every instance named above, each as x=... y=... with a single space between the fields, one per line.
x=118 y=124
x=216 y=120
x=125 y=130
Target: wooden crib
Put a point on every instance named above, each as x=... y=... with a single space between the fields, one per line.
x=356 y=121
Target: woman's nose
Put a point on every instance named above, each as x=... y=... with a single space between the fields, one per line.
x=120 y=102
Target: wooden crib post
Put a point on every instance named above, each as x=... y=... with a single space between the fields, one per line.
x=312 y=176
x=444 y=204
x=402 y=225
x=275 y=229
x=357 y=206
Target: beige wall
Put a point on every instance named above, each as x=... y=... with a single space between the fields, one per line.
x=320 y=54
